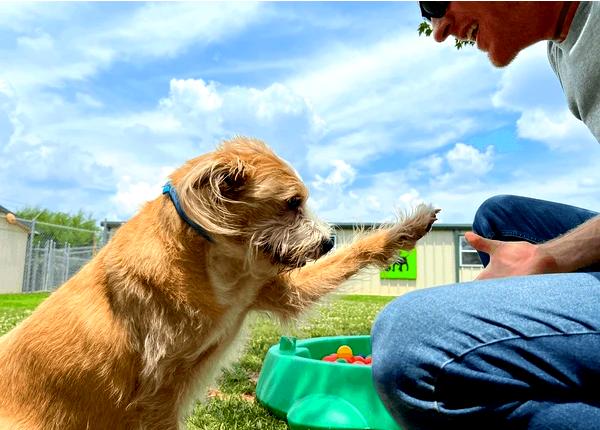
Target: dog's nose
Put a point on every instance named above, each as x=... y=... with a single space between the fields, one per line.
x=326 y=246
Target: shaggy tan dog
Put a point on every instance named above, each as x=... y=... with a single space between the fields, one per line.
x=125 y=343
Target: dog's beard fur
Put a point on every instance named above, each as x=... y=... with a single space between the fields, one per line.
x=292 y=244
x=124 y=342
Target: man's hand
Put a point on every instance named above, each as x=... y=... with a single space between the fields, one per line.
x=512 y=258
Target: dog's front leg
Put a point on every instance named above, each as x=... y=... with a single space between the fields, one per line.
x=292 y=292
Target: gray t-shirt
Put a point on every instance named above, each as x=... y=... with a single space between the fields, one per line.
x=576 y=61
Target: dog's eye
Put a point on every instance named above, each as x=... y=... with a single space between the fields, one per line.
x=294 y=203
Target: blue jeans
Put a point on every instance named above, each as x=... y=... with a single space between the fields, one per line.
x=512 y=353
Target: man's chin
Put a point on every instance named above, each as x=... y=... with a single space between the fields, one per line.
x=501 y=59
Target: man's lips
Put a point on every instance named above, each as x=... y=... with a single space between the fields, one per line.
x=469 y=33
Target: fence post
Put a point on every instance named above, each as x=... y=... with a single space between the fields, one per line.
x=47 y=263
x=35 y=269
x=27 y=284
x=105 y=232
x=51 y=268
x=67 y=252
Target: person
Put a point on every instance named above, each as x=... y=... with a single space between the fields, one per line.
x=518 y=348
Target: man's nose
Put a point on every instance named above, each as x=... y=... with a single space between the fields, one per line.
x=441 y=28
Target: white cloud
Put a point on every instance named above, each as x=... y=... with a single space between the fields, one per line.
x=391 y=97
x=192 y=95
x=458 y=174
x=530 y=88
x=88 y=100
x=529 y=83
x=133 y=192
x=165 y=29
x=343 y=174
x=468 y=160
x=56 y=138
x=558 y=130
x=409 y=199
x=355 y=147
x=77 y=51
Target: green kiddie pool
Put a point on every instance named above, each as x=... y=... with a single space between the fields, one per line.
x=316 y=395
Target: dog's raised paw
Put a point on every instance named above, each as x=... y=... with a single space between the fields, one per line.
x=433 y=218
x=422 y=219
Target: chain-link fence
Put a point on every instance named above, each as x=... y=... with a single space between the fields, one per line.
x=49 y=254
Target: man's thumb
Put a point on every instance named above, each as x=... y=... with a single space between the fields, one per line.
x=480 y=243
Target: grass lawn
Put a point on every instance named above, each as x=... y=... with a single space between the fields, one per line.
x=15 y=307
x=232 y=405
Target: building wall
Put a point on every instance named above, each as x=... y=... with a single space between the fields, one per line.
x=436 y=265
x=469 y=273
x=13 y=246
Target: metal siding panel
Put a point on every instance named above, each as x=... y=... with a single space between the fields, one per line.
x=436 y=266
x=13 y=245
x=468 y=274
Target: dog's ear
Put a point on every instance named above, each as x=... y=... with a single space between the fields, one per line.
x=224 y=178
x=207 y=187
x=233 y=181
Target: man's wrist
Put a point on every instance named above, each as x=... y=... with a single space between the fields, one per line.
x=547 y=261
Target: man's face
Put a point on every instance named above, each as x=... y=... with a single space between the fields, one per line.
x=501 y=29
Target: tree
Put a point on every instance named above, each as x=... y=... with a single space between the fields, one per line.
x=76 y=230
x=425 y=28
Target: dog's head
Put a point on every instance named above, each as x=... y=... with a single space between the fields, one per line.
x=243 y=193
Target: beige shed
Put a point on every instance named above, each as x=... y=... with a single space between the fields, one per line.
x=442 y=257
x=13 y=248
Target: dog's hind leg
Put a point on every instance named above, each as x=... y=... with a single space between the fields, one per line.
x=292 y=292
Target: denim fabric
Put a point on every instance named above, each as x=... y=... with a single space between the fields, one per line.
x=514 y=218
x=512 y=353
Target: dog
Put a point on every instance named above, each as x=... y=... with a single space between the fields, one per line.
x=125 y=343
x=400 y=262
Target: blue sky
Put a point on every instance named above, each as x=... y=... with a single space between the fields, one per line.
x=99 y=102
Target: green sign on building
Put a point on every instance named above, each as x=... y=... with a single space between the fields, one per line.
x=404 y=267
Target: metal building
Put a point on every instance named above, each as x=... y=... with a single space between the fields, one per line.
x=13 y=249
x=441 y=257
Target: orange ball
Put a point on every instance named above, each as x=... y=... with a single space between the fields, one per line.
x=344 y=351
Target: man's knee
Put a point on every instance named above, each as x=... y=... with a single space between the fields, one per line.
x=401 y=338
x=492 y=212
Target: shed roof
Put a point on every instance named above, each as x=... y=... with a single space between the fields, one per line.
x=5 y=211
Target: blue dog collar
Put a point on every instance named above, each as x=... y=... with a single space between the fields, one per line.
x=169 y=189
